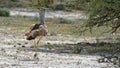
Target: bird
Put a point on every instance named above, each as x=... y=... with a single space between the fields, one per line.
x=36 y=32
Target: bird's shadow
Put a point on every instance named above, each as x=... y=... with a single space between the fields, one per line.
x=71 y=48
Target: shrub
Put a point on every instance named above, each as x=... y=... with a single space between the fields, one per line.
x=59 y=7
x=64 y=21
x=4 y=13
x=15 y=0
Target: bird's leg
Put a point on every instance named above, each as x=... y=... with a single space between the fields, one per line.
x=36 y=46
x=36 y=59
x=38 y=41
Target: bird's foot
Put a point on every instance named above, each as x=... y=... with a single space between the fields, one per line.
x=36 y=58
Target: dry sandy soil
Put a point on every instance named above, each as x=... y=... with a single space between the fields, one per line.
x=15 y=52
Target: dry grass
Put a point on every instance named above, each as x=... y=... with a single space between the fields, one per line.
x=23 y=23
x=54 y=26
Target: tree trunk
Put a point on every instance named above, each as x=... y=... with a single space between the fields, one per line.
x=42 y=16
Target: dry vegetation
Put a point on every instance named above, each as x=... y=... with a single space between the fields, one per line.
x=54 y=26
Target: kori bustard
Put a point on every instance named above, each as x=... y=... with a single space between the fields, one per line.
x=37 y=31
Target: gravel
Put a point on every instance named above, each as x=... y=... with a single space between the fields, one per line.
x=14 y=55
x=18 y=57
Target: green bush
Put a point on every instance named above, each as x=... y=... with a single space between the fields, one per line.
x=59 y=7
x=65 y=21
x=4 y=13
x=15 y=0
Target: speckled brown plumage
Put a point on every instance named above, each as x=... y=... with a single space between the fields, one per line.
x=35 y=31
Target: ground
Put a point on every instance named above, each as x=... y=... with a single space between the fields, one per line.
x=23 y=58
x=16 y=52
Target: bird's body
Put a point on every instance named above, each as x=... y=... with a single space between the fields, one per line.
x=35 y=26
x=36 y=31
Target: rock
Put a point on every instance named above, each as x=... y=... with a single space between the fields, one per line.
x=23 y=46
x=19 y=43
x=26 y=42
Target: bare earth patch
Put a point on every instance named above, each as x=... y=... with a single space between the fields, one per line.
x=18 y=57
x=14 y=55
